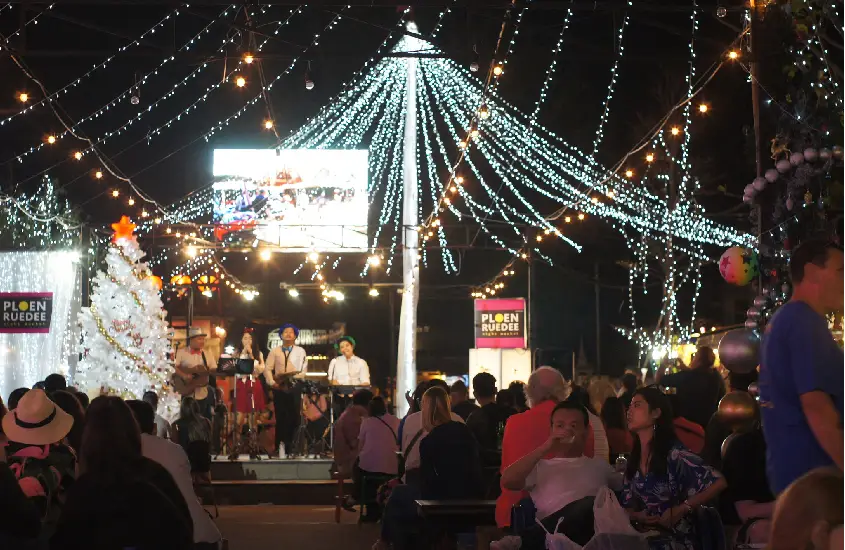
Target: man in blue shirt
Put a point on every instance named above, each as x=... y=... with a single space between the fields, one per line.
x=801 y=372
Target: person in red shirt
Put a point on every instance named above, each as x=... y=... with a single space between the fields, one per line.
x=527 y=431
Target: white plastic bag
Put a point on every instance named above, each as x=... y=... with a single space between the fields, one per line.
x=558 y=541
x=610 y=518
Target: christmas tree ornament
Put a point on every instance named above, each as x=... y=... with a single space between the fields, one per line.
x=739 y=350
x=825 y=154
x=772 y=175
x=759 y=184
x=811 y=155
x=761 y=302
x=796 y=158
x=783 y=166
x=738 y=265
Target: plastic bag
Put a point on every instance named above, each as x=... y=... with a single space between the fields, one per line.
x=610 y=518
x=558 y=541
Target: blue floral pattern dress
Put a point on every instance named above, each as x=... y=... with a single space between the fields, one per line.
x=686 y=475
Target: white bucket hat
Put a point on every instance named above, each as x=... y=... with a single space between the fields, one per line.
x=36 y=420
x=195 y=332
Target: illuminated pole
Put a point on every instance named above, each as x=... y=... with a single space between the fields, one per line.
x=406 y=362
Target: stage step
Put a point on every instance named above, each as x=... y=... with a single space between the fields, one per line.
x=271 y=469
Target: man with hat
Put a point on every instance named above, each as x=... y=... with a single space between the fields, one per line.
x=283 y=363
x=194 y=367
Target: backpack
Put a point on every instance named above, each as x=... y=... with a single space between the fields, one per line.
x=42 y=472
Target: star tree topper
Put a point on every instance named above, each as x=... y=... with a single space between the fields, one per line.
x=123 y=229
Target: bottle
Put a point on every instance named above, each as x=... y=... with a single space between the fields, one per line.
x=282 y=450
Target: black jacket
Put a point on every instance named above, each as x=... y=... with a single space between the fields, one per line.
x=450 y=467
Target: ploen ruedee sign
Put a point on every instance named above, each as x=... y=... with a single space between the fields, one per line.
x=500 y=323
x=25 y=312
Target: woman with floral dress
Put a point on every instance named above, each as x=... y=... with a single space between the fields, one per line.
x=664 y=481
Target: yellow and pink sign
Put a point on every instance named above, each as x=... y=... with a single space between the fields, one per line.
x=500 y=323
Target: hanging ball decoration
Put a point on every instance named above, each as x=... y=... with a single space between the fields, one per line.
x=739 y=350
x=759 y=184
x=753 y=389
x=738 y=265
x=721 y=11
x=790 y=204
x=747 y=199
x=760 y=302
x=751 y=324
x=811 y=155
x=772 y=175
x=753 y=313
x=156 y=280
x=796 y=158
x=783 y=166
x=736 y=407
x=825 y=154
x=748 y=190
x=837 y=152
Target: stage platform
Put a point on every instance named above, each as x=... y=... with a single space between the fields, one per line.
x=289 y=481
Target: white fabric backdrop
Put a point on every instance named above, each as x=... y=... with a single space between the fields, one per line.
x=27 y=358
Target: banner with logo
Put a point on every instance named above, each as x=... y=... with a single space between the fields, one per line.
x=25 y=312
x=500 y=323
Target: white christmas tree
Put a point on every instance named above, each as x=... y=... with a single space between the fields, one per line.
x=124 y=333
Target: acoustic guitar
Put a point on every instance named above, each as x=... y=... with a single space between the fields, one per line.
x=187 y=386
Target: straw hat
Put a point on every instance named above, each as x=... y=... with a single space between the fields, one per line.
x=36 y=420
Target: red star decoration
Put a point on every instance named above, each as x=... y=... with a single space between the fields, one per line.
x=123 y=229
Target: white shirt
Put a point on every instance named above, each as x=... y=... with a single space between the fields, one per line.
x=163 y=427
x=377 y=444
x=173 y=458
x=349 y=372
x=556 y=482
x=600 y=445
x=277 y=363
x=413 y=424
x=186 y=359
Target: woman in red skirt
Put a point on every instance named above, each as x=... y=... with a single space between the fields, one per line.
x=249 y=393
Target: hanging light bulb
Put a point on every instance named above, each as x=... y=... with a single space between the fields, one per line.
x=649 y=157
x=581 y=216
x=99 y=175
x=313 y=257
x=78 y=155
x=309 y=84
x=265 y=255
x=675 y=130
x=293 y=293
x=374 y=261
x=483 y=112
x=459 y=180
x=473 y=66
x=629 y=173
x=51 y=139
x=373 y=291
x=268 y=124
x=240 y=82
x=131 y=201
x=568 y=219
x=191 y=251
x=733 y=54
x=703 y=108
x=168 y=230
x=115 y=193
x=248 y=58
x=144 y=214
x=498 y=69
x=23 y=97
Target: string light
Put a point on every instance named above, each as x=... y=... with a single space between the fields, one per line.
x=733 y=54
x=99 y=175
x=23 y=97
x=115 y=193
x=248 y=58
x=131 y=201
x=78 y=155
x=51 y=139
x=648 y=158
x=675 y=131
x=240 y=82
x=612 y=86
x=703 y=108
x=268 y=124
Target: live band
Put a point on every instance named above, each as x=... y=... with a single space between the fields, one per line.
x=305 y=403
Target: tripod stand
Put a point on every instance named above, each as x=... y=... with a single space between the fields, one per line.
x=249 y=444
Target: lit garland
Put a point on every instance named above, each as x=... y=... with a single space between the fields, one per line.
x=41 y=220
x=612 y=86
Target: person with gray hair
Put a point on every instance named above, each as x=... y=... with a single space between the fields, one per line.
x=544 y=384
x=527 y=431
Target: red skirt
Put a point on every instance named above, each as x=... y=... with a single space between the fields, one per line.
x=246 y=389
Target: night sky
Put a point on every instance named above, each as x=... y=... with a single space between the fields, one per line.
x=69 y=39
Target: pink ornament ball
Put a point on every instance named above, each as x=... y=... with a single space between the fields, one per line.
x=772 y=175
x=783 y=166
x=738 y=265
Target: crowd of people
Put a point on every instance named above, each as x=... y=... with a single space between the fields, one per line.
x=109 y=474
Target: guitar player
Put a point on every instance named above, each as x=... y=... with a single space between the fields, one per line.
x=282 y=364
x=192 y=365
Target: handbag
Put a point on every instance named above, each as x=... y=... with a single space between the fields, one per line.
x=384 y=490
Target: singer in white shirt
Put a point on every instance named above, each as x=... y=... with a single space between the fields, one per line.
x=348 y=369
x=282 y=364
